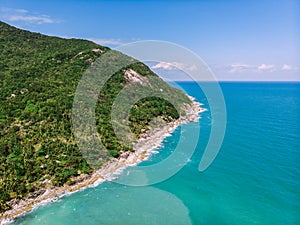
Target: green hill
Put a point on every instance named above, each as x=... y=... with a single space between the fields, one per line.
x=38 y=78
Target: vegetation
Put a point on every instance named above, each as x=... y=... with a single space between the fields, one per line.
x=38 y=78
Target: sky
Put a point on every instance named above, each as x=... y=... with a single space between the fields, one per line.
x=246 y=40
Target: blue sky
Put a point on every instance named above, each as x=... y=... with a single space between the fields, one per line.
x=239 y=40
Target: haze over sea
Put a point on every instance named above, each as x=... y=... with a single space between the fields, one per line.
x=253 y=180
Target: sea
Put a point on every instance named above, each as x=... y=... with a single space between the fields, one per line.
x=254 y=179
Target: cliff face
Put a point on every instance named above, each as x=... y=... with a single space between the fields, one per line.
x=38 y=79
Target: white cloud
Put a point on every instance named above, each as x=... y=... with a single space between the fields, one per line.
x=174 y=66
x=164 y=66
x=30 y=19
x=266 y=67
x=238 y=68
x=22 y=15
x=21 y=10
x=242 y=68
x=287 y=67
x=106 y=41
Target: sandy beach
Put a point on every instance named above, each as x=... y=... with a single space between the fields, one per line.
x=149 y=141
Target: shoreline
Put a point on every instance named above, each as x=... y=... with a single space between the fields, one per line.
x=144 y=148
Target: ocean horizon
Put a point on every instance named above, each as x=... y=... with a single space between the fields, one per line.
x=253 y=180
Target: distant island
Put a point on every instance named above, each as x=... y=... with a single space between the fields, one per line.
x=39 y=155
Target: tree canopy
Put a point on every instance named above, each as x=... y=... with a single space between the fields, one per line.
x=38 y=78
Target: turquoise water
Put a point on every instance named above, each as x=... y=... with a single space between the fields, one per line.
x=253 y=180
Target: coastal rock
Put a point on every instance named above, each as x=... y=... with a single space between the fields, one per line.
x=97 y=50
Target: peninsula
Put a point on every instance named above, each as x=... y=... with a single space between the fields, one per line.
x=39 y=157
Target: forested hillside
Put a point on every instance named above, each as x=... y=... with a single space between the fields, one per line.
x=38 y=78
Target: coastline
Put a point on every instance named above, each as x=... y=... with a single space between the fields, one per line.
x=144 y=147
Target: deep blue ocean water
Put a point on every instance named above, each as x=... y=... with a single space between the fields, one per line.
x=253 y=180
